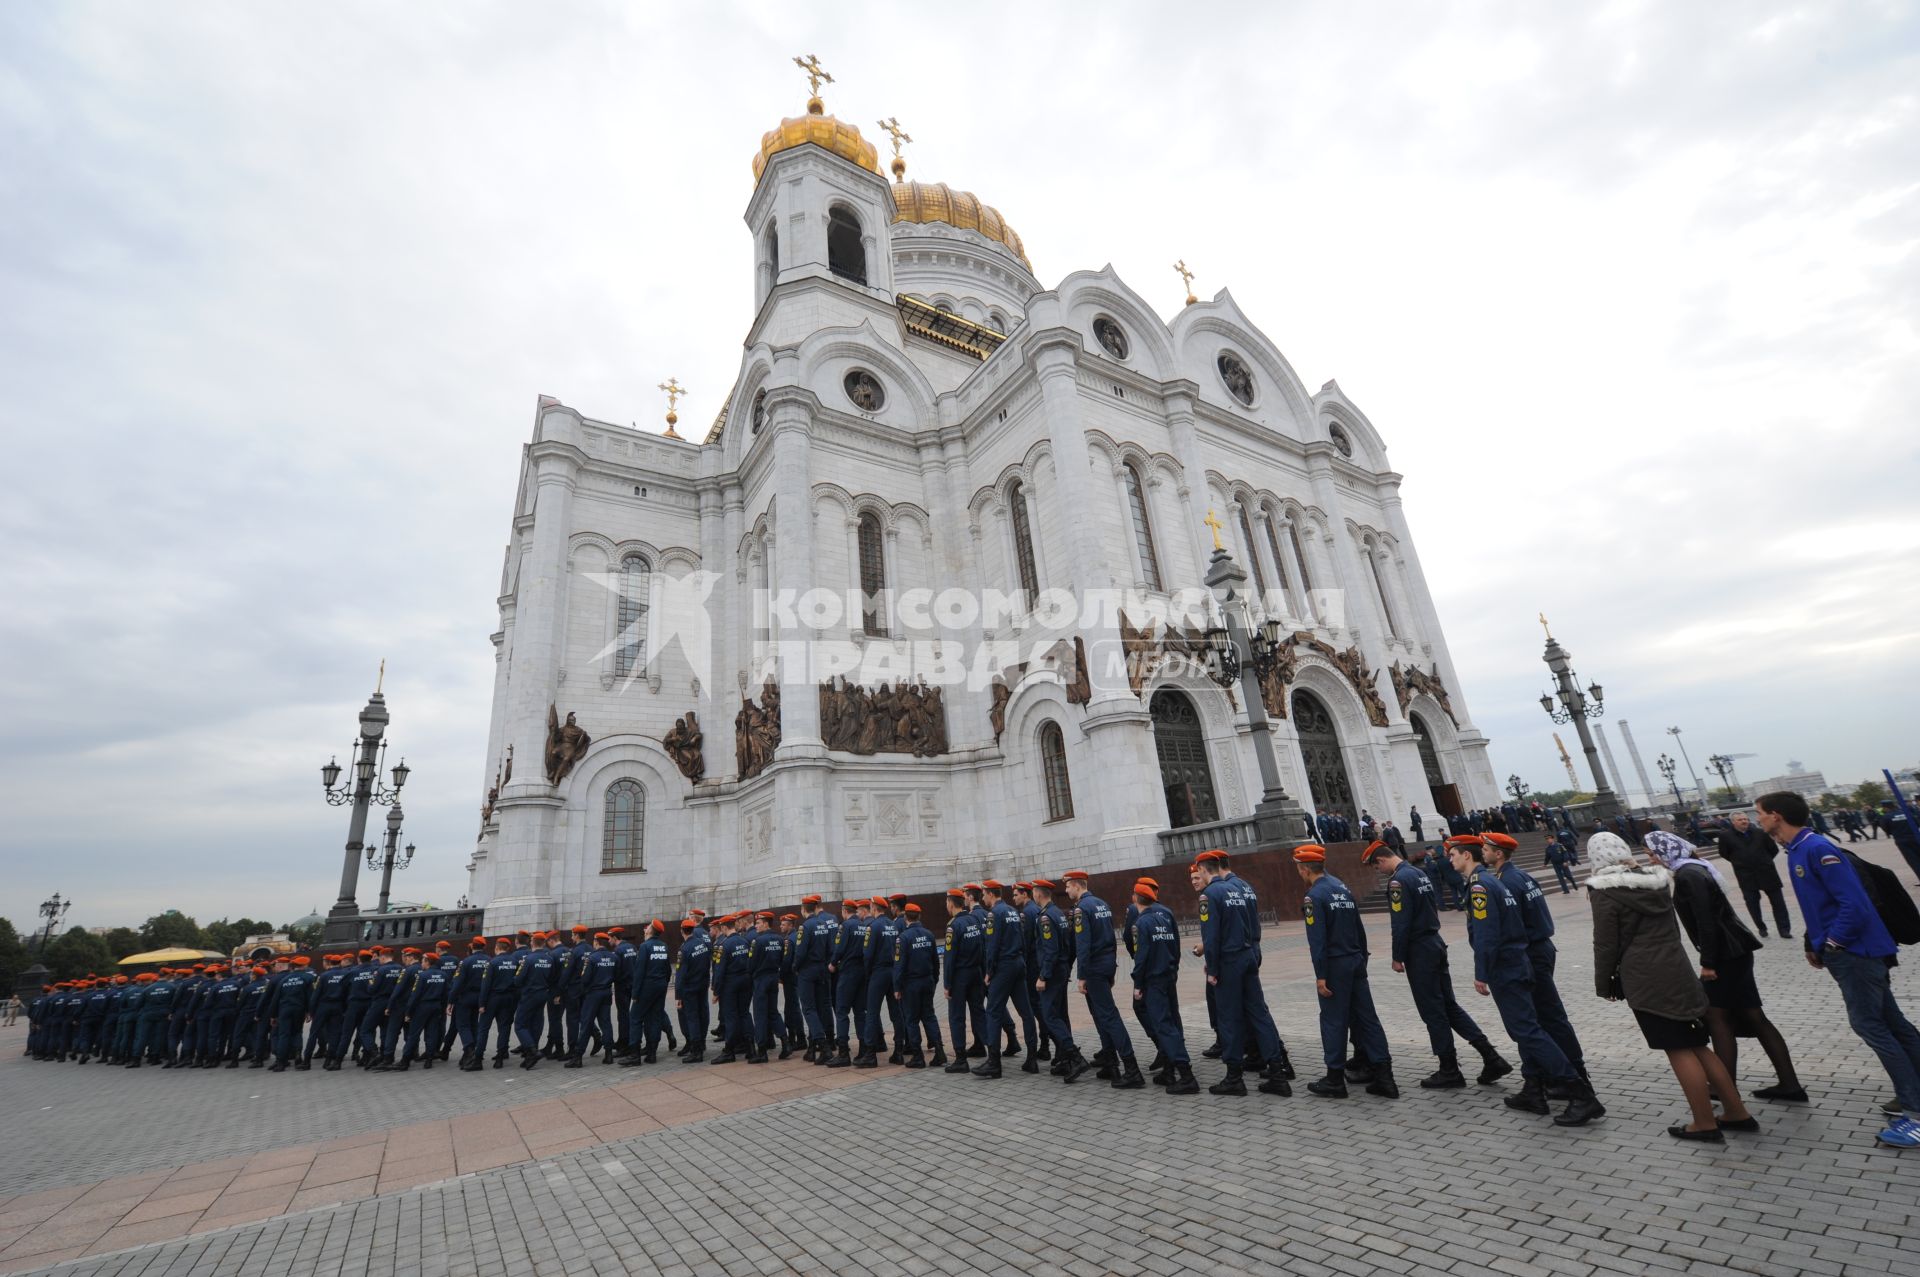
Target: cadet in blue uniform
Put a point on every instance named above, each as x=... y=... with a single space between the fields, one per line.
x=467 y=991
x=1197 y=879
x=1006 y=970
x=1542 y=957
x=1413 y=911
x=1230 y=943
x=1094 y=954
x=790 y=979
x=883 y=933
x=426 y=1012
x=573 y=991
x=690 y=984
x=916 y=969
x=1030 y=936
x=850 y=978
x=598 y=972
x=1337 y=941
x=623 y=1028
x=1156 y=978
x=500 y=997
x=963 y=964
x=150 y=1034
x=810 y=960
x=734 y=971
x=291 y=1003
x=1500 y=969
x=1053 y=958
x=536 y=983
x=766 y=952
x=257 y=1012
x=329 y=1011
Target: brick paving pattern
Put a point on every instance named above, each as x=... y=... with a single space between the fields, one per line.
x=1081 y=1180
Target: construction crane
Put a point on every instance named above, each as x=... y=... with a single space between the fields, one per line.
x=1722 y=766
x=1566 y=760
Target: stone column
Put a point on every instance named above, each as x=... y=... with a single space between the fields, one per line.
x=790 y=418
x=1193 y=488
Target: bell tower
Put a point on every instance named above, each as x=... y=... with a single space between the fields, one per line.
x=821 y=209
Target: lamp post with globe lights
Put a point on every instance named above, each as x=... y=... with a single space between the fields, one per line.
x=1577 y=707
x=1518 y=788
x=1668 y=768
x=54 y=910
x=362 y=790
x=392 y=857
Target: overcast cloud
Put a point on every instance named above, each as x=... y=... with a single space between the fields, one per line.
x=1630 y=290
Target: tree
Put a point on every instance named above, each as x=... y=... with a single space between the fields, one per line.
x=1831 y=801
x=1560 y=797
x=305 y=937
x=1728 y=797
x=13 y=957
x=123 y=941
x=1871 y=794
x=171 y=930
x=228 y=936
x=78 y=953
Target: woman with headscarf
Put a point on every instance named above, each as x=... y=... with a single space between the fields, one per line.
x=1637 y=955
x=1726 y=951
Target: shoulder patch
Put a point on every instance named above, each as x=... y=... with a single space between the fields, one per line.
x=1306 y=909
x=1829 y=860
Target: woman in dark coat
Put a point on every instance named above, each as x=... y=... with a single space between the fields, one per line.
x=1637 y=955
x=1726 y=951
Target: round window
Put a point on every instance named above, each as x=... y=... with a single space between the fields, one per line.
x=1112 y=337
x=1338 y=433
x=1236 y=376
x=864 y=390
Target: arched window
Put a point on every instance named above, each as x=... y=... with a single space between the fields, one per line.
x=773 y=250
x=1373 y=554
x=873 y=576
x=1023 y=541
x=1053 y=762
x=1253 y=553
x=1279 y=559
x=623 y=841
x=630 y=623
x=996 y=321
x=846 y=253
x=944 y=306
x=1142 y=529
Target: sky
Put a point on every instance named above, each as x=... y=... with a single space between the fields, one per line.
x=1631 y=291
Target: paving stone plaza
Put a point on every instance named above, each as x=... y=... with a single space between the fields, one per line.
x=790 y=1168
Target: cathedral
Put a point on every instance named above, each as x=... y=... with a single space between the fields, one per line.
x=906 y=613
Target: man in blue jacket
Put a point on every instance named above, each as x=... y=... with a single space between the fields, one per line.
x=1094 y=953
x=1053 y=959
x=500 y=996
x=810 y=959
x=1846 y=937
x=1337 y=943
x=467 y=989
x=962 y=967
x=1156 y=978
x=691 y=981
x=916 y=969
x=849 y=979
x=1006 y=958
x=1542 y=955
x=537 y=982
x=1230 y=943
x=426 y=1012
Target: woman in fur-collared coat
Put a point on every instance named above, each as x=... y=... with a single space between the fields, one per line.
x=1638 y=956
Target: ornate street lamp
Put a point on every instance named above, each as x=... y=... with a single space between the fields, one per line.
x=368 y=755
x=392 y=857
x=1721 y=765
x=1518 y=788
x=54 y=910
x=1577 y=707
x=1238 y=650
x=1667 y=768
x=1698 y=788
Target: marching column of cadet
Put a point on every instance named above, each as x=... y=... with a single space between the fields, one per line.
x=840 y=987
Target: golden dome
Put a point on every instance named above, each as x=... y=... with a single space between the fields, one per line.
x=938 y=202
x=822 y=130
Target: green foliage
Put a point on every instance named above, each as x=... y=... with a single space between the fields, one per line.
x=1727 y=797
x=1871 y=794
x=1560 y=797
x=13 y=957
x=122 y=941
x=305 y=937
x=227 y=936
x=78 y=953
x=1831 y=802
x=171 y=930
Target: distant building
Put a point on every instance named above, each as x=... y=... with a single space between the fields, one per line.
x=1797 y=780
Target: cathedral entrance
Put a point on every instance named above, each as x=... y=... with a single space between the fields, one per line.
x=1446 y=798
x=1184 y=775
x=1320 y=752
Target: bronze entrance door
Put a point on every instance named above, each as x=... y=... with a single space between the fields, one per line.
x=1446 y=798
x=1184 y=775
x=1320 y=752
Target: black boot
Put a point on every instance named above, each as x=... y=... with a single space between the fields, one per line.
x=938 y=1060
x=976 y=1052
x=1383 y=1084
x=1359 y=1072
x=1584 y=1107
x=1103 y=1065
x=915 y=1060
x=841 y=1058
x=959 y=1065
x=1275 y=1083
x=695 y=1054
x=573 y=1062
x=1213 y=1052
x=1045 y=1052
x=1531 y=1099
x=1234 y=1083
x=1129 y=1078
x=786 y=1048
x=990 y=1069
x=1286 y=1063
x=726 y=1055
x=1492 y=1067
x=1447 y=1077
x=1182 y=1082
x=1333 y=1086
x=1158 y=1062
x=867 y=1059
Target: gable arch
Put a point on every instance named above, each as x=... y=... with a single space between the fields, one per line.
x=911 y=398
x=1202 y=329
x=1084 y=295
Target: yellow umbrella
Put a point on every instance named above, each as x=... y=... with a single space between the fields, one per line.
x=169 y=955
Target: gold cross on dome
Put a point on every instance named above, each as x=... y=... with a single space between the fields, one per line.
x=674 y=390
x=816 y=73
x=1186 y=277
x=892 y=127
x=1213 y=521
x=1543 y=624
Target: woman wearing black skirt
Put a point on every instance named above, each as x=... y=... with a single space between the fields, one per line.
x=1637 y=955
x=1726 y=951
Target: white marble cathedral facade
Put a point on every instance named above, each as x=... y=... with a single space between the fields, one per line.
x=915 y=411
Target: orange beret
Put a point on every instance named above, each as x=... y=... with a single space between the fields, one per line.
x=897 y=897
x=479 y=942
x=259 y=970
x=957 y=894
x=536 y=936
x=1076 y=875
x=767 y=914
x=810 y=900
x=302 y=961
x=1374 y=848
x=431 y=959
x=616 y=931
x=789 y=917
x=688 y=924
x=993 y=884
x=579 y=930
x=969 y=886
x=1151 y=882
x=1502 y=841
x=850 y=904
x=913 y=909
x=1309 y=854
x=1466 y=840
x=1043 y=884
x=366 y=953
x=410 y=949
x=601 y=935
x=1208 y=857
x=697 y=913
x=879 y=900
x=1142 y=889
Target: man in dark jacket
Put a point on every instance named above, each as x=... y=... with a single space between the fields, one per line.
x=1752 y=853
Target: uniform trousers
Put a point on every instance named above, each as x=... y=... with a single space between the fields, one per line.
x=1241 y=1005
x=1541 y=1058
x=466 y=1024
x=1106 y=1017
x=1350 y=1008
x=916 y=1015
x=695 y=1012
x=1552 y=1013
x=429 y=1022
x=879 y=998
x=966 y=996
x=1158 y=1007
x=502 y=1012
x=768 y=1024
x=1053 y=1010
x=596 y=1021
x=1007 y=980
x=1431 y=983
x=849 y=991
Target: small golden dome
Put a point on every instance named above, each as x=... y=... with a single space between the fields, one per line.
x=821 y=129
x=938 y=202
